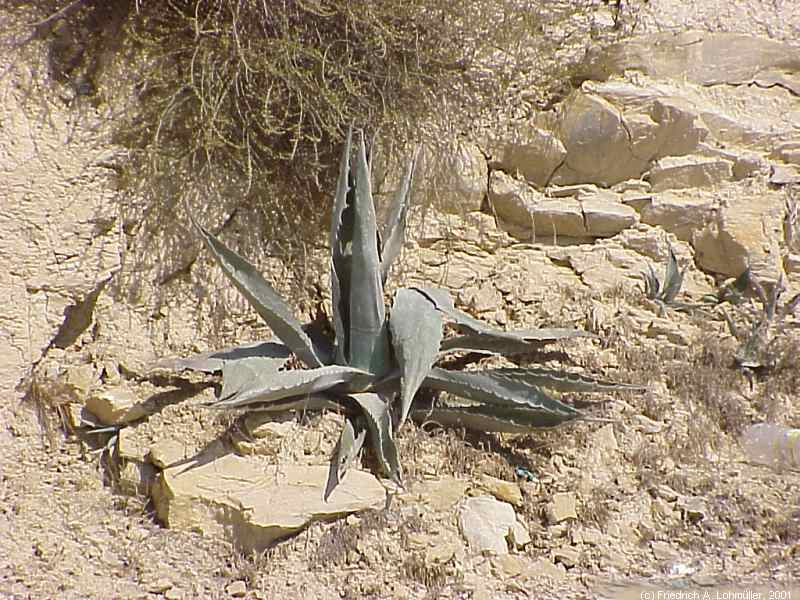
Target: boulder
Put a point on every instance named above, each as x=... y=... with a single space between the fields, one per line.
x=675 y=172
x=530 y=151
x=604 y=218
x=253 y=504
x=598 y=144
x=681 y=213
x=746 y=231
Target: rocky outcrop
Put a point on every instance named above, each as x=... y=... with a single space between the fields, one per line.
x=531 y=215
x=703 y=58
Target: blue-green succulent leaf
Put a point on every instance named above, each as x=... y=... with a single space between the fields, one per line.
x=416 y=328
x=394 y=231
x=341 y=242
x=347 y=449
x=563 y=381
x=212 y=362
x=500 y=388
x=652 y=286
x=275 y=312
x=379 y=422
x=240 y=375
x=272 y=386
x=489 y=418
x=673 y=278
x=369 y=335
x=509 y=343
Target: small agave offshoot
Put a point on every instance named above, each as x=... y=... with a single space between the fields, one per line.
x=376 y=364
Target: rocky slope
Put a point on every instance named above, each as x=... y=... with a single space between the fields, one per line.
x=691 y=139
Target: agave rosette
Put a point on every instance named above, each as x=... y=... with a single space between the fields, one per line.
x=377 y=363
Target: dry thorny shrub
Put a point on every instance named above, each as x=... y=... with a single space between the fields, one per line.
x=236 y=108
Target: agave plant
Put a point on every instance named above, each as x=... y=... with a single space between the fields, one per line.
x=664 y=291
x=376 y=365
x=759 y=346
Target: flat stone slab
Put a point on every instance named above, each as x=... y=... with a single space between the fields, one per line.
x=252 y=504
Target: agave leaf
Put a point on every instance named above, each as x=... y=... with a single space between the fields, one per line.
x=673 y=278
x=211 y=362
x=652 y=286
x=369 y=335
x=267 y=387
x=304 y=403
x=379 y=423
x=341 y=241
x=263 y=298
x=347 y=448
x=501 y=389
x=509 y=343
x=444 y=303
x=563 y=381
x=240 y=375
x=489 y=418
x=394 y=231
x=416 y=328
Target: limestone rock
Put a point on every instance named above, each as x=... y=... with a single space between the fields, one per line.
x=135 y=477
x=59 y=230
x=567 y=556
x=527 y=213
x=788 y=152
x=512 y=200
x=237 y=589
x=552 y=219
x=561 y=507
x=463 y=182
x=532 y=152
x=784 y=175
x=440 y=495
x=746 y=232
x=267 y=433
x=694 y=507
x=679 y=213
x=507 y=491
x=664 y=551
x=660 y=122
x=543 y=567
x=116 y=405
x=700 y=57
x=166 y=452
x=689 y=172
x=597 y=142
x=477 y=229
x=681 y=130
x=603 y=218
x=252 y=504
x=519 y=535
x=486 y=524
